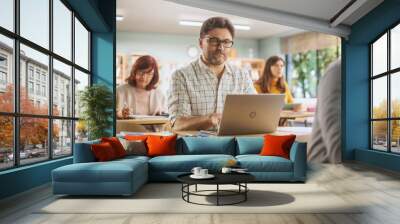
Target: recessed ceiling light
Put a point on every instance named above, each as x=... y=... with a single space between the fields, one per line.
x=197 y=23
x=120 y=18
x=241 y=27
x=190 y=23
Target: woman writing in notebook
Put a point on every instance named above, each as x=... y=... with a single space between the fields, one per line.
x=140 y=96
x=272 y=79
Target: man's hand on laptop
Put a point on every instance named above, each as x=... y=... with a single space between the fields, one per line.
x=215 y=119
x=203 y=122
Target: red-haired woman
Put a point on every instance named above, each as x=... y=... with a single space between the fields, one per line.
x=272 y=80
x=140 y=94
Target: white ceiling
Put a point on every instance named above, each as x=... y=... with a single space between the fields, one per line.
x=311 y=15
x=265 y=17
x=319 y=9
x=159 y=16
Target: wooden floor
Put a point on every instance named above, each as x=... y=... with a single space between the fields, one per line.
x=377 y=188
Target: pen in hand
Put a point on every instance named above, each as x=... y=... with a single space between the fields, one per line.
x=125 y=111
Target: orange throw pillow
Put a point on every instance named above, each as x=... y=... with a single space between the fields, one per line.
x=136 y=137
x=277 y=145
x=103 y=152
x=161 y=145
x=116 y=145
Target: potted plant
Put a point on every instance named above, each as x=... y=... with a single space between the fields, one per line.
x=96 y=104
x=81 y=130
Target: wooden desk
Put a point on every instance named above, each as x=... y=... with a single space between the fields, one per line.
x=145 y=121
x=288 y=114
x=302 y=133
x=139 y=124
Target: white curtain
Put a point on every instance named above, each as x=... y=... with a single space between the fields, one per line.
x=325 y=142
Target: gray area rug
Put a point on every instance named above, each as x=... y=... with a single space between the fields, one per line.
x=166 y=198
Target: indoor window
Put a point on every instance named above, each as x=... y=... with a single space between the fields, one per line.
x=53 y=125
x=385 y=94
x=30 y=87
x=3 y=78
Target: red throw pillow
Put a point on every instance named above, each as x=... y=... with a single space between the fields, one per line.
x=277 y=145
x=136 y=137
x=103 y=152
x=116 y=145
x=161 y=145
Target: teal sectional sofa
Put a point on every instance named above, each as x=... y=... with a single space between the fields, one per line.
x=125 y=176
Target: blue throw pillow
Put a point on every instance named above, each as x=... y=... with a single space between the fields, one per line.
x=206 y=145
x=249 y=145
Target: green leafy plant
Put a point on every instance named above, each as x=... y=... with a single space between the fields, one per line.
x=305 y=67
x=309 y=67
x=96 y=103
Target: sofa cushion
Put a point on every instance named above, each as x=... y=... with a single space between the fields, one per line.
x=257 y=163
x=103 y=152
x=133 y=158
x=112 y=171
x=277 y=145
x=134 y=147
x=206 y=145
x=136 y=137
x=161 y=145
x=185 y=163
x=116 y=145
x=249 y=145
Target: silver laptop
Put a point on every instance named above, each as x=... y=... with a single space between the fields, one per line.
x=251 y=114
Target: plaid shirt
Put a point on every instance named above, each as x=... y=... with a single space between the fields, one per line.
x=195 y=90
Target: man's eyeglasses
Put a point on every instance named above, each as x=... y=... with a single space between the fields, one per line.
x=214 y=41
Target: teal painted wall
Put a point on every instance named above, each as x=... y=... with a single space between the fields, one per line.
x=269 y=47
x=91 y=12
x=104 y=53
x=24 y=178
x=355 y=95
x=356 y=99
x=102 y=58
x=99 y=15
x=379 y=159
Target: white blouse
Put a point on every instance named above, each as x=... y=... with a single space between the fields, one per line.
x=127 y=97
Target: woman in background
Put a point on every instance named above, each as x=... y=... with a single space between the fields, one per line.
x=140 y=96
x=272 y=79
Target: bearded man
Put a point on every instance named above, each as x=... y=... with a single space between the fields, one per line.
x=198 y=90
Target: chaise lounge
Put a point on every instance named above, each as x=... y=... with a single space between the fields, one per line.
x=125 y=176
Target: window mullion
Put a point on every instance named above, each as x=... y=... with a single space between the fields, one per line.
x=389 y=104
x=73 y=82
x=50 y=81
x=371 y=144
x=16 y=84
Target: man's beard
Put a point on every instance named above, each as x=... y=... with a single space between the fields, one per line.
x=214 y=57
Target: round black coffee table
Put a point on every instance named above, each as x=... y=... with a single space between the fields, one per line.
x=238 y=179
